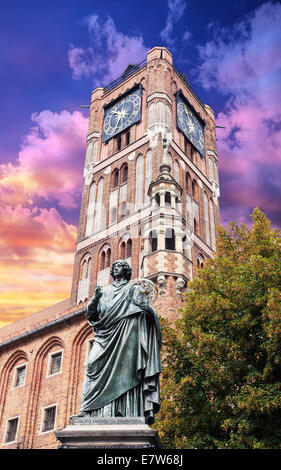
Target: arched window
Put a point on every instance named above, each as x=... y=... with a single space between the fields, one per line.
x=89 y=153
x=195 y=190
x=176 y=171
x=160 y=112
x=157 y=199
x=127 y=138
x=207 y=225
x=212 y=225
x=118 y=142
x=151 y=114
x=196 y=226
x=91 y=210
x=84 y=278
x=168 y=116
x=148 y=173
x=129 y=248
x=113 y=215
x=187 y=148
x=200 y=261
x=102 y=261
x=189 y=211
x=123 y=250
x=104 y=266
x=153 y=238
x=170 y=160
x=188 y=183
x=216 y=173
x=211 y=169
x=95 y=151
x=108 y=258
x=139 y=182
x=115 y=179
x=193 y=154
x=170 y=241
x=100 y=213
x=124 y=174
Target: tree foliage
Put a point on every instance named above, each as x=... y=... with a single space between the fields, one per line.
x=221 y=384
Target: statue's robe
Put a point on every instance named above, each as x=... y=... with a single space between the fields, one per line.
x=122 y=373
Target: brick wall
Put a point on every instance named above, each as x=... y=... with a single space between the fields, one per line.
x=160 y=82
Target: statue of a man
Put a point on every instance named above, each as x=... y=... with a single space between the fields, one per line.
x=122 y=375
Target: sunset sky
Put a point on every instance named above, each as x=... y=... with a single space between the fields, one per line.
x=54 y=53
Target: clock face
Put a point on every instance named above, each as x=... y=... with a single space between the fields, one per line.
x=190 y=126
x=122 y=114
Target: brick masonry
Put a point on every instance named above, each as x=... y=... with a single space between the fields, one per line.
x=63 y=327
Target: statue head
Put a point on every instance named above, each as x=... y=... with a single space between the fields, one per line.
x=126 y=269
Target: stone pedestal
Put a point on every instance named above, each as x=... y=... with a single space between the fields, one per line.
x=108 y=433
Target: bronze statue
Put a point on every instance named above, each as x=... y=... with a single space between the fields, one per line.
x=122 y=374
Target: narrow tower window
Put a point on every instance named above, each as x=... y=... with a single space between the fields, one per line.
x=115 y=179
x=153 y=240
x=124 y=174
x=167 y=199
x=122 y=250
x=127 y=137
x=129 y=249
x=170 y=239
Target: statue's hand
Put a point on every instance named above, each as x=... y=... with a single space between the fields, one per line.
x=98 y=292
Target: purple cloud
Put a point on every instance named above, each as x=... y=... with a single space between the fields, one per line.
x=109 y=54
x=49 y=163
x=175 y=11
x=244 y=64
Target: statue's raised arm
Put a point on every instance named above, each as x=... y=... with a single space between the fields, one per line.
x=91 y=311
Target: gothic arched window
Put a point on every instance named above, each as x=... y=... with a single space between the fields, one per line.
x=151 y=114
x=207 y=224
x=176 y=171
x=91 y=210
x=188 y=183
x=129 y=248
x=200 y=261
x=123 y=250
x=84 y=278
x=212 y=225
x=115 y=179
x=139 y=182
x=124 y=174
x=195 y=190
x=104 y=266
x=100 y=214
x=148 y=173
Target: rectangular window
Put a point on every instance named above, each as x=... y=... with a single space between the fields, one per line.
x=20 y=376
x=12 y=430
x=55 y=365
x=49 y=418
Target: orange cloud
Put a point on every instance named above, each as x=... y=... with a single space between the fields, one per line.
x=36 y=244
x=50 y=162
x=36 y=262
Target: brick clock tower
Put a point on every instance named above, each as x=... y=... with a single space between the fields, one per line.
x=151 y=187
x=150 y=196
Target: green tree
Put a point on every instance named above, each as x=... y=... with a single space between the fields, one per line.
x=221 y=384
